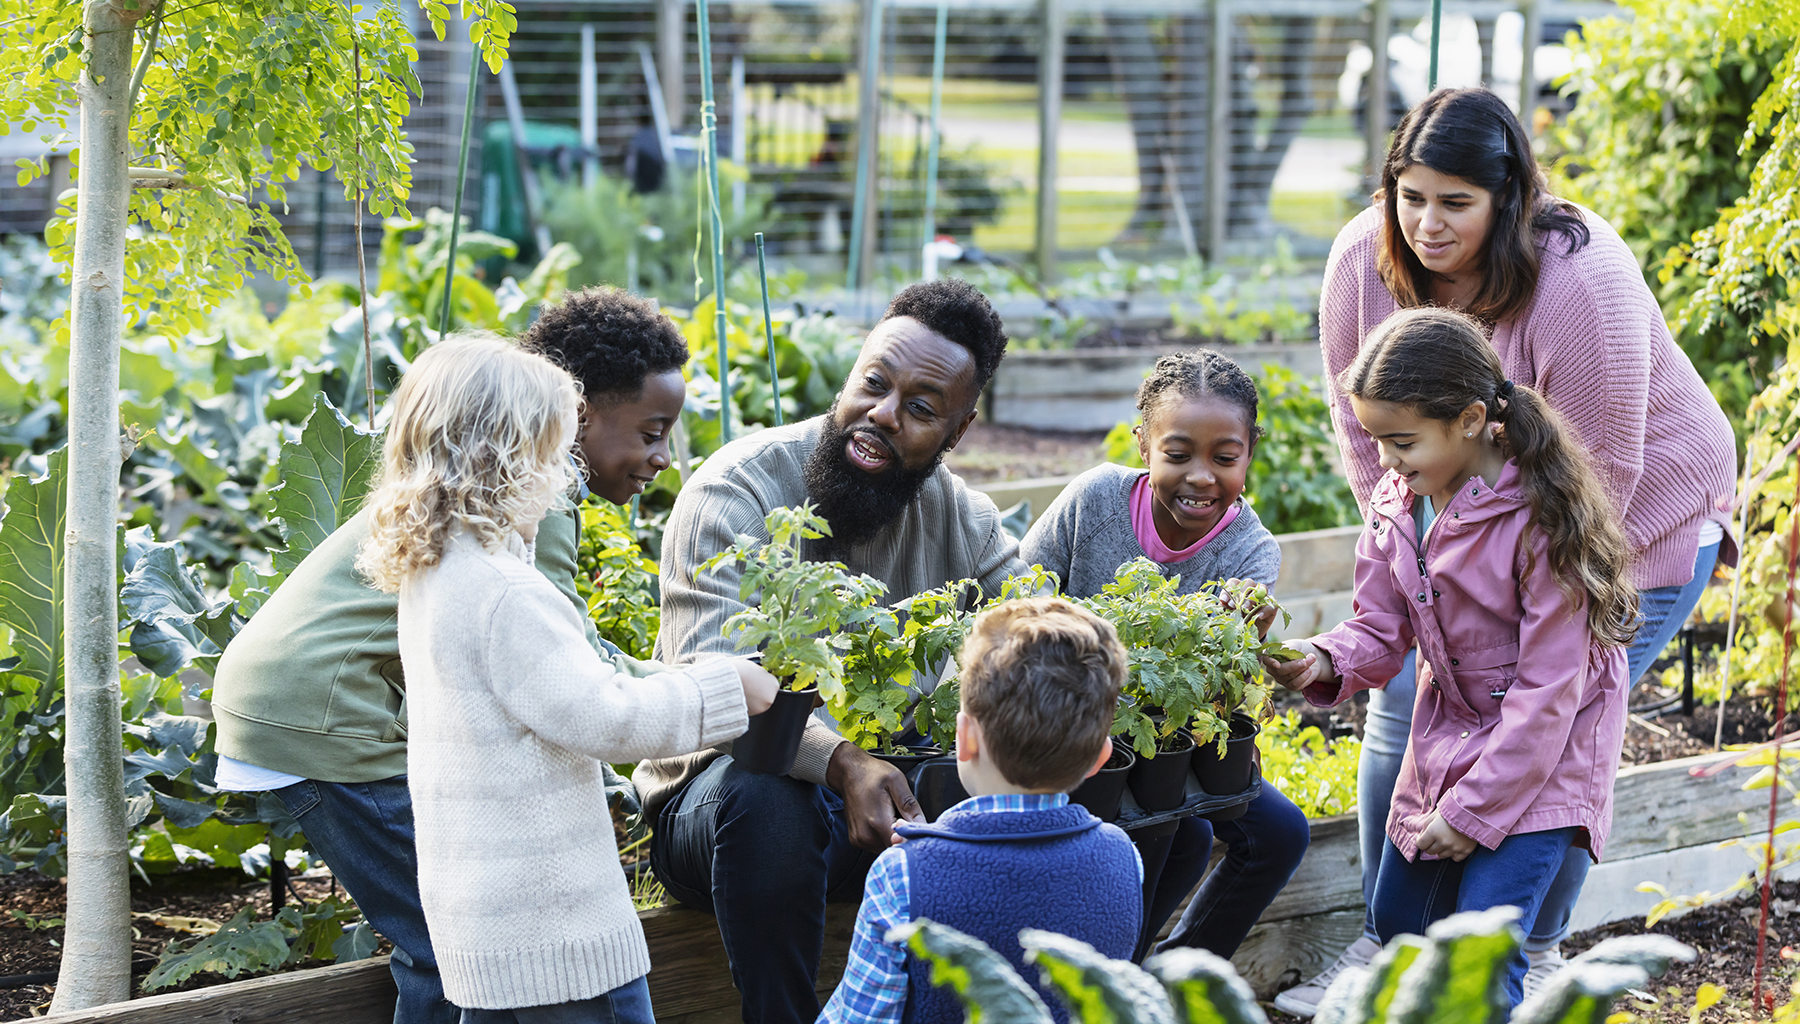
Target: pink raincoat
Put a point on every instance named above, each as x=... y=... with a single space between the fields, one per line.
x=1521 y=712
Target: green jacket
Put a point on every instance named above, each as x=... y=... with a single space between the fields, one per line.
x=312 y=685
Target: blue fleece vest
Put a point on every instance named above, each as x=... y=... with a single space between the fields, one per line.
x=990 y=874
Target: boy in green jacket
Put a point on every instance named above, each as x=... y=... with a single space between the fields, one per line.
x=309 y=697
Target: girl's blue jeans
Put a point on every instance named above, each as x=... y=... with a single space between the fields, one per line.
x=1388 y=726
x=1410 y=895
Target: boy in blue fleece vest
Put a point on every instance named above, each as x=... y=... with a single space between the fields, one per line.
x=1040 y=679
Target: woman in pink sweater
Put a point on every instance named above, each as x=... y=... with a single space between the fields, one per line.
x=1463 y=219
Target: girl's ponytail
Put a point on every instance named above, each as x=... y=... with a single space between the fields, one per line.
x=1438 y=363
x=1587 y=545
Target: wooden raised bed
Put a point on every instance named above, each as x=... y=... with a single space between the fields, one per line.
x=1667 y=825
x=1093 y=389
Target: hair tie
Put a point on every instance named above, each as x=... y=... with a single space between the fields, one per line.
x=1505 y=390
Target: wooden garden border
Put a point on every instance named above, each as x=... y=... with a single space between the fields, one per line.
x=1667 y=825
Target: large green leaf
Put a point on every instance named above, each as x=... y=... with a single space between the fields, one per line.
x=1204 y=988
x=240 y=945
x=990 y=990
x=1096 y=988
x=1460 y=978
x=324 y=478
x=1363 y=994
x=1583 y=992
x=31 y=570
x=172 y=623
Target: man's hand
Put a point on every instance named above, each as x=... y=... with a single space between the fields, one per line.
x=1313 y=666
x=1441 y=840
x=875 y=794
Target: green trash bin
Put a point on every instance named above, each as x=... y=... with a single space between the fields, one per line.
x=553 y=149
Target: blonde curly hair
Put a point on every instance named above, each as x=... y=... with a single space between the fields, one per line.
x=480 y=437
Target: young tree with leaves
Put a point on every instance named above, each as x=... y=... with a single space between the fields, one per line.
x=237 y=97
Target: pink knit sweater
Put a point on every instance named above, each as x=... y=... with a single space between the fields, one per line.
x=1595 y=345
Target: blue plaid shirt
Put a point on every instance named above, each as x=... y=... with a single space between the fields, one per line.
x=874 y=987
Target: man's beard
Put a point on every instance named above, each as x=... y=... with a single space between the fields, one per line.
x=858 y=504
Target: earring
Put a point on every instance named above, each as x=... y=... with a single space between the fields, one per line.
x=1469 y=434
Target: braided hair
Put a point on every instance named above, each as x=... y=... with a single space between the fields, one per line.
x=1181 y=376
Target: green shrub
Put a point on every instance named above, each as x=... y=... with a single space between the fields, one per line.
x=1658 y=144
x=1319 y=776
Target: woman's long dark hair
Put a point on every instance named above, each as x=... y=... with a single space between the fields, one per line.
x=1437 y=362
x=1471 y=134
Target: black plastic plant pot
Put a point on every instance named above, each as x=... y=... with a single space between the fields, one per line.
x=1223 y=776
x=1159 y=783
x=1101 y=792
x=938 y=787
x=769 y=746
x=909 y=759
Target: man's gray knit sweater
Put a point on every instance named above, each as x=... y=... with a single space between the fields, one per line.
x=1086 y=534
x=949 y=532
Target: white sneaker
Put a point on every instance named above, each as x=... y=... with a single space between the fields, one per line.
x=1303 y=999
x=1540 y=967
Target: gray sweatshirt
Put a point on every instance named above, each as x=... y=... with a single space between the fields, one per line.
x=948 y=533
x=1086 y=534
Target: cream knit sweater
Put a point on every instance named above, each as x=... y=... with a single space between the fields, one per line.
x=512 y=715
x=1596 y=346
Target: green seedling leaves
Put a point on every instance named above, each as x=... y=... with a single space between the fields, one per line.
x=31 y=570
x=1096 y=988
x=990 y=990
x=324 y=478
x=1203 y=988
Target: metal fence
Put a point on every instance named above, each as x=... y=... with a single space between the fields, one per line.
x=1133 y=91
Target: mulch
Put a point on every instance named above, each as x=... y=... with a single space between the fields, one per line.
x=1724 y=938
x=31 y=945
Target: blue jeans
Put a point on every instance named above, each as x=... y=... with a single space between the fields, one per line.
x=1263 y=850
x=365 y=833
x=1411 y=895
x=1388 y=727
x=627 y=1004
x=763 y=854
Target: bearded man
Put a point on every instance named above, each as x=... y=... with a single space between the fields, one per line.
x=764 y=853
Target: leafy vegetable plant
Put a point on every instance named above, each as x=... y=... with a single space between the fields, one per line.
x=616 y=580
x=1455 y=973
x=1317 y=774
x=797 y=608
x=1193 y=656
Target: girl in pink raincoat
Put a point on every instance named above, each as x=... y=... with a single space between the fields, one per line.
x=1492 y=545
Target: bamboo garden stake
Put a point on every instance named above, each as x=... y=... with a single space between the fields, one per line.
x=709 y=128
x=762 y=273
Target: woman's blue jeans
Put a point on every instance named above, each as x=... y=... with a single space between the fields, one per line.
x=1411 y=895
x=1388 y=726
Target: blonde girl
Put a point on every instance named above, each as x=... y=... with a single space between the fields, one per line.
x=1492 y=544
x=511 y=713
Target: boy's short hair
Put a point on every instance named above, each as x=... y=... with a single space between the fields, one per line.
x=1042 y=676
x=609 y=340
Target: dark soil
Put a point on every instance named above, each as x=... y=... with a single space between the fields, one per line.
x=989 y=453
x=1724 y=937
x=31 y=945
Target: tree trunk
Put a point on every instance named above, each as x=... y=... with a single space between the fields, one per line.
x=96 y=959
x=1253 y=168
x=1137 y=70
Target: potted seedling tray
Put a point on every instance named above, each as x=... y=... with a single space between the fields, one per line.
x=1218 y=808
